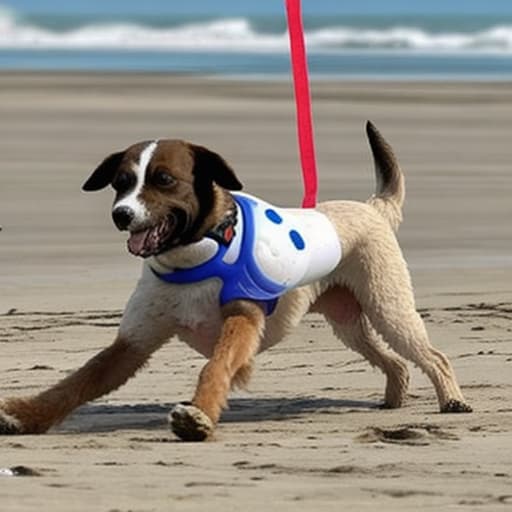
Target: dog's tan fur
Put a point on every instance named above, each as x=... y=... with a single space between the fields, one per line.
x=367 y=299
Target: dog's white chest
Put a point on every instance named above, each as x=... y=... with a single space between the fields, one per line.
x=195 y=311
x=158 y=310
x=194 y=305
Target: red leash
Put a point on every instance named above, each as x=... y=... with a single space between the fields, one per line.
x=303 y=103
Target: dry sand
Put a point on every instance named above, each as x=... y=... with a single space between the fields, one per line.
x=308 y=435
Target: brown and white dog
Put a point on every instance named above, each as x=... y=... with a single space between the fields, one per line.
x=170 y=193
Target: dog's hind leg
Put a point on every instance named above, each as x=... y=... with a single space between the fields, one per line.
x=385 y=295
x=409 y=338
x=362 y=338
x=342 y=311
x=407 y=335
x=233 y=353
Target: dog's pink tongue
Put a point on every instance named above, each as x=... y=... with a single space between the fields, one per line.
x=137 y=242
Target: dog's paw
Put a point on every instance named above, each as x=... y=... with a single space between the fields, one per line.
x=9 y=425
x=455 y=406
x=190 y=423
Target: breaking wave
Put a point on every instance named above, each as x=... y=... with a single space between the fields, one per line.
x=239 y=35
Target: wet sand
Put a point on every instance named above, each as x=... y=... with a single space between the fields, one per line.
x=309 y=434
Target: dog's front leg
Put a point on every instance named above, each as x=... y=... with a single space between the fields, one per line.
x=239 y=341
x=144 y=328
x=105 y=372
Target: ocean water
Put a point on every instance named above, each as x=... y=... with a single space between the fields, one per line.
x=464 y=46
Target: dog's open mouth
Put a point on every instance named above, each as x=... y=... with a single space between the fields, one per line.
x=152 y=240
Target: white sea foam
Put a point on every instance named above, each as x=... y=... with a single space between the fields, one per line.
x=237 y=34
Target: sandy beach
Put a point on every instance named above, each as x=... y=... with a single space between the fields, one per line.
x=308 y=435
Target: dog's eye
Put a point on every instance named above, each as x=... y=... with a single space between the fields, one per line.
x=123 y=181
x=162 y=178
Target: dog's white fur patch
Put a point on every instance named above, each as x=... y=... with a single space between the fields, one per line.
x=132 y=200
x=158 y=310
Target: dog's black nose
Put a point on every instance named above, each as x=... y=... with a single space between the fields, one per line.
x=122 y=216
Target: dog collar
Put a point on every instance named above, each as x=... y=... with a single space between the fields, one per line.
x=224 y=232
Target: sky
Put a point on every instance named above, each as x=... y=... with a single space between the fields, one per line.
x=237 y=7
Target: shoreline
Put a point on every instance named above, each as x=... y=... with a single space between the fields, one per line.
x=409 y=65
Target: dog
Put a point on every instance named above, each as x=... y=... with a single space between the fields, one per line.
x=179 y=203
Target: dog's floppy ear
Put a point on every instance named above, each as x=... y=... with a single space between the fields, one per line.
x=104 y=173
x=211 y=165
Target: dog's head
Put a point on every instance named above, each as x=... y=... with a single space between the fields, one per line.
x=165 y=192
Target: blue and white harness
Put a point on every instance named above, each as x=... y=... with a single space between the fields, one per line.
x=273 y=250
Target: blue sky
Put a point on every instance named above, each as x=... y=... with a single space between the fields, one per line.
x=237 y=7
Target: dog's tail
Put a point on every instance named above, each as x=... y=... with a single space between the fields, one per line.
x=390 y=192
